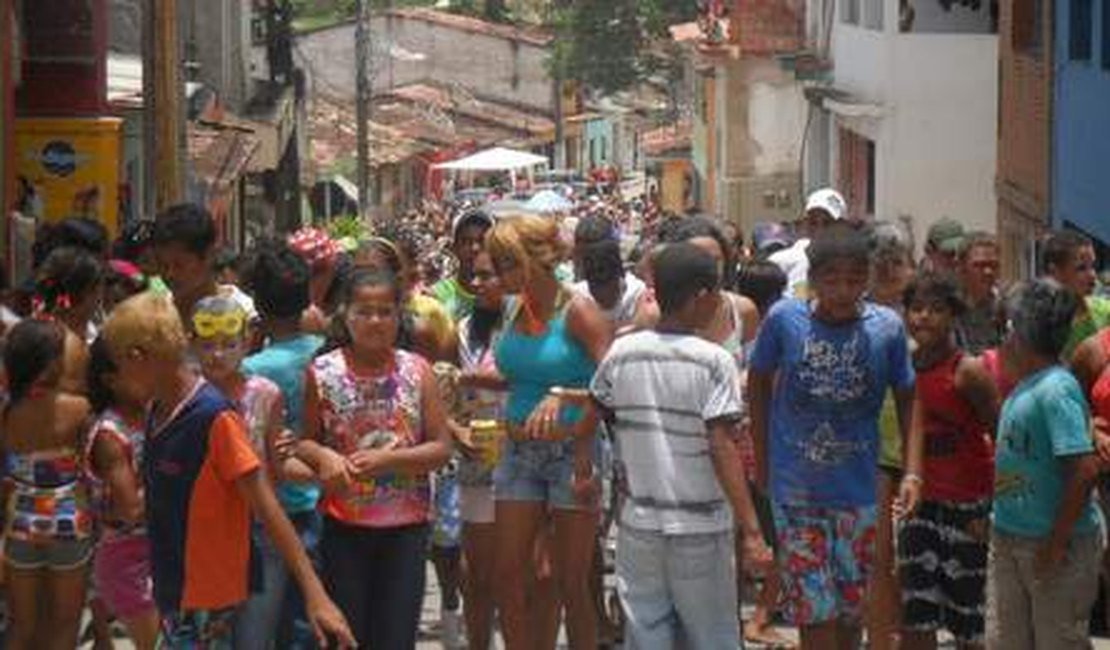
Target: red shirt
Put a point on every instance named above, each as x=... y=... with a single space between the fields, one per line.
x=959 y=452
x=1100 y=392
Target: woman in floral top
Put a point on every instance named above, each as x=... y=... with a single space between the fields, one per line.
x=375 y=428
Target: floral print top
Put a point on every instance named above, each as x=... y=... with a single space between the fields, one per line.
x=261 y=405
x=130 y=437
x=366 y=412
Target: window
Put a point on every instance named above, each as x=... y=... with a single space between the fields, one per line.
x=1079 y=29
x=1025 y=36
x=873 y=14
x=849 y=12
x=1106 y=34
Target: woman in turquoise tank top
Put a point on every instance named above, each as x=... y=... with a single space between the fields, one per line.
x=552 y=343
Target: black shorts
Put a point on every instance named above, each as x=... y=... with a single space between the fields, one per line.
x=943 y=568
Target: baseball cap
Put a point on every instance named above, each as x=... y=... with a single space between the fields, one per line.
x=768 y=237
x=946 y=235
x=468 y=217
x=829 y=201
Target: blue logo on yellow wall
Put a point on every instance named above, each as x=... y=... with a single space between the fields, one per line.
x=59 y=158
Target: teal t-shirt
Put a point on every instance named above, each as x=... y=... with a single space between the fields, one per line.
x=284 y=363
x=1044 y=421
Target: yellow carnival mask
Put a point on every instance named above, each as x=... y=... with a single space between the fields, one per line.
x=208 y=325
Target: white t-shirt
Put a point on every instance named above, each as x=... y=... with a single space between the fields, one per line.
x=795 y=264
x=661 y=390
x=625 y=310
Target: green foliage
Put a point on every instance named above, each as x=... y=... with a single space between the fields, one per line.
x=611 y=45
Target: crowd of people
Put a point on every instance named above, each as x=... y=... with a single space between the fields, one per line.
x=265 y=450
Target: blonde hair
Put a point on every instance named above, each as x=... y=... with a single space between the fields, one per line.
x=527 y=238
x=148 y=321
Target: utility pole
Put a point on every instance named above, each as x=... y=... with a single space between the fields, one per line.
x=362 y=105
x=163 y=123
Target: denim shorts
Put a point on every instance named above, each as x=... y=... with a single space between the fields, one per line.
x=59 y=555
x=678 y=588
x=538 y=472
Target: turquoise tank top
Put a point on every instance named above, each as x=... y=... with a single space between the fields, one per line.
x=533 y=365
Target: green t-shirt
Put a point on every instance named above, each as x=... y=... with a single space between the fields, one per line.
x=1086 y=326
x=450 y=293
x=890 y=437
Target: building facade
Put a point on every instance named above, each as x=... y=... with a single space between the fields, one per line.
x=1081 y=118
x=748 y=114
x=489 y=60
x=907 y=127
x=1025 y=55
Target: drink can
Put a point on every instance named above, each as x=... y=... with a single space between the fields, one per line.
x=488 y=436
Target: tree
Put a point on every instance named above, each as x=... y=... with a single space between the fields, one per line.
x=497 y=10
x=608 y=45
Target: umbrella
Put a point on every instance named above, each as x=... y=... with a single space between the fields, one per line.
x=506 y=207
x=549 y=201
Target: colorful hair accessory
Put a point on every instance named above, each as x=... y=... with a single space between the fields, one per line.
x=127 y=270
x=315 y=246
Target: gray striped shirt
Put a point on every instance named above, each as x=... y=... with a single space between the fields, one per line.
x=661 y=390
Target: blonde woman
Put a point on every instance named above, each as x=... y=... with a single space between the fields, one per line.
x=550 y=346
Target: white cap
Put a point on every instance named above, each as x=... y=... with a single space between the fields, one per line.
x=829 y=201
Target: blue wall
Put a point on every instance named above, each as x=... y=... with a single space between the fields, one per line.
x=1081 y=129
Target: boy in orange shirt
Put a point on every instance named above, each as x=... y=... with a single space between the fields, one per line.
x=203 y=481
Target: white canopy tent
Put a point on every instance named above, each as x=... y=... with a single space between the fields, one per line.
x=495 y=159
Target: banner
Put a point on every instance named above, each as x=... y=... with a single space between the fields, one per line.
x=68 y=167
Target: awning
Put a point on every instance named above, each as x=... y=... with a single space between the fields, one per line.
x=495 y=159
x=219 y=157
x=845 y=104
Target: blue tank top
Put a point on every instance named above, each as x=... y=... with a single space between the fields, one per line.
x=533 y=365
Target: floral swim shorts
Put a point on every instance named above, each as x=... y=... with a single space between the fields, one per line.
x=825 y=556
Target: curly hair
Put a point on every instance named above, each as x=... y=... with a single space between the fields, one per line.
x=149 y=322
x=1040 y=315
x=527 y=238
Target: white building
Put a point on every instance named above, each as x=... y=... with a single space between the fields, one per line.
x=907 y=128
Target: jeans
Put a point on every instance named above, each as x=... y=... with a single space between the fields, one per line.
x=376 y=577
x=678 y=588
x=275 y=616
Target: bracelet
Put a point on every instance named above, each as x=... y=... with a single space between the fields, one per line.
x=913 y=478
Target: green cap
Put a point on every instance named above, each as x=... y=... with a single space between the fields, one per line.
x=946 y=235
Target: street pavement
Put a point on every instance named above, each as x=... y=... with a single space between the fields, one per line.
x=431 y=615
